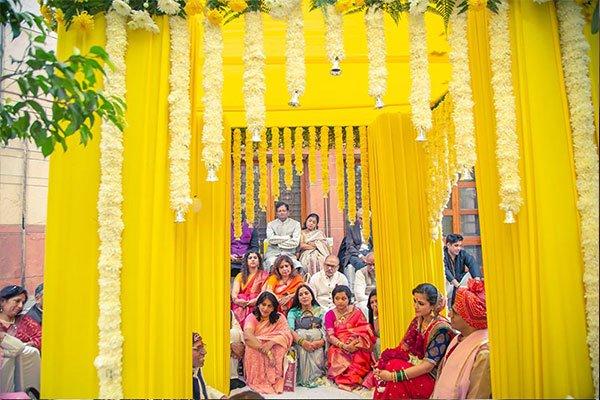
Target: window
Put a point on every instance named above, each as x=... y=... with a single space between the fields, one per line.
x=461 y=215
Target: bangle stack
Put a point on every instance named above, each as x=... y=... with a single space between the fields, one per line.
x=399 y=376
x=300 y=341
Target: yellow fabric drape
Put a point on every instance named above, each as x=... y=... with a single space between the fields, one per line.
x=405 y=256
x=533 y=269
x=70 y=334
x=208 y=239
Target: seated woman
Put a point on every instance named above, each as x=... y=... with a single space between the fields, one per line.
x=313 y=246
x=268 y=339
x=351 y=339
x=408 y=371
x=306 y=321
x=20 y=343
x=247 y=286
x=374 y=321
x=284 y=282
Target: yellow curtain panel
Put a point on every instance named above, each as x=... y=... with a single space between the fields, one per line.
x=533 y=269
x=405 y=255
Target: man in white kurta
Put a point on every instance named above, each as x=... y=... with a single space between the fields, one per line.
x=323 y=282
x=283 y=236
x=364 y=283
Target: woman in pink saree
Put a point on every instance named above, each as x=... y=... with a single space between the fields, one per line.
x=313 y=246
x=247 y=286
x=268 y=339
x=352 y=339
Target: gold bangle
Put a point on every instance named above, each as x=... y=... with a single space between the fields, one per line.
x=269 y=353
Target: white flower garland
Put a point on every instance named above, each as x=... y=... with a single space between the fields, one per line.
x=376 y=50
x=108 y=363
x=121 y=7
x=281 y=9
x=334 y=38
x=212 y=83
x=419 y=69
x=141 y=19
x=170 y=7
x=507 y=144
x=574 y=48
x=294 y=51
x=179 y=117
x=460 y=90
x=254 y=80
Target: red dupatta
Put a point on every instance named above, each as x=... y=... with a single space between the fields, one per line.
x=249 y=291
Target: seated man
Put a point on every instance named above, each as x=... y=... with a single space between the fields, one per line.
x=364 y=283
x=236 y=343
x=323 y=282
x=19 y=365
x=239 y=247
x=200 y=389
x=357 y=247
x=35 y=311
x=283 y=237
x=464 y=372
x=459 y=266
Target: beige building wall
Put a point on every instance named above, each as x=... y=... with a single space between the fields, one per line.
x=23 y=186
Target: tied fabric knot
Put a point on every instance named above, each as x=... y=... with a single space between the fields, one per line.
x=470 y=304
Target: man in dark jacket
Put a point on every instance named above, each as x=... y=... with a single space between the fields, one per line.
x=357 y=248
x=459 y=266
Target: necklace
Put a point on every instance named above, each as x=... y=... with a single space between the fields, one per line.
x=7 y=323
x=427 y=326
x=342 y=317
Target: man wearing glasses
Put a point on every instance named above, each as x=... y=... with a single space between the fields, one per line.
x=324 y=281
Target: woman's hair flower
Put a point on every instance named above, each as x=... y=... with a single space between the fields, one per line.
x=238 y=5
x=215 y=17
x=83 y=22
x=193 y=7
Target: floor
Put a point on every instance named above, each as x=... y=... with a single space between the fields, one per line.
x=321 y=392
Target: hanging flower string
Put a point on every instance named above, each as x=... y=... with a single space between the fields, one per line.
x=364 y=178
x=287 y=162
x=419 y=69
x=312 y=155
x=249 y=157
x=325 y=160
x=298 y=140
x=254 y=79
x=460 y=90
x=334 y=38
x=179 y=117
x=237 y=183
x=574 y=49
x=294 y=51
x=212 y=70
x=507 y=144
x=275 y=162
x=376 y=50
x=351 y=173
x=108 y=363
x=453 y=170
x=262 y=167
x=339 y=167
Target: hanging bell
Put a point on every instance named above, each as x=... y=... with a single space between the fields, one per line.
x=256 y=135
x=510 y=218
x=212 y=174
x=421 y=135
x=179 y=217
x=294 y=102
x=379 y=102
x=335 y=68
x=465 y=175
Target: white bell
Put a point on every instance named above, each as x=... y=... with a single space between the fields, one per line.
x=465 y=175
x=421 y=135
x=379 y=102
x=179 y=217
x=212 y=174
x=256 y=135
x=294 y=102
x=335 y=68
x=510 y=218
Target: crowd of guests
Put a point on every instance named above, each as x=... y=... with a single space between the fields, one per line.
x=298 y=305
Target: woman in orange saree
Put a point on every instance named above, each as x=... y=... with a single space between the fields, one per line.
x=352 y=339
x=284 y=282
x=247 y=285
x=268 y=339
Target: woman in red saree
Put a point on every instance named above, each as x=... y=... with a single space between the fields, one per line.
x=408 y=371
x=268 y=339
x=247 y=285
x=284 y=282
x=352 y=339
